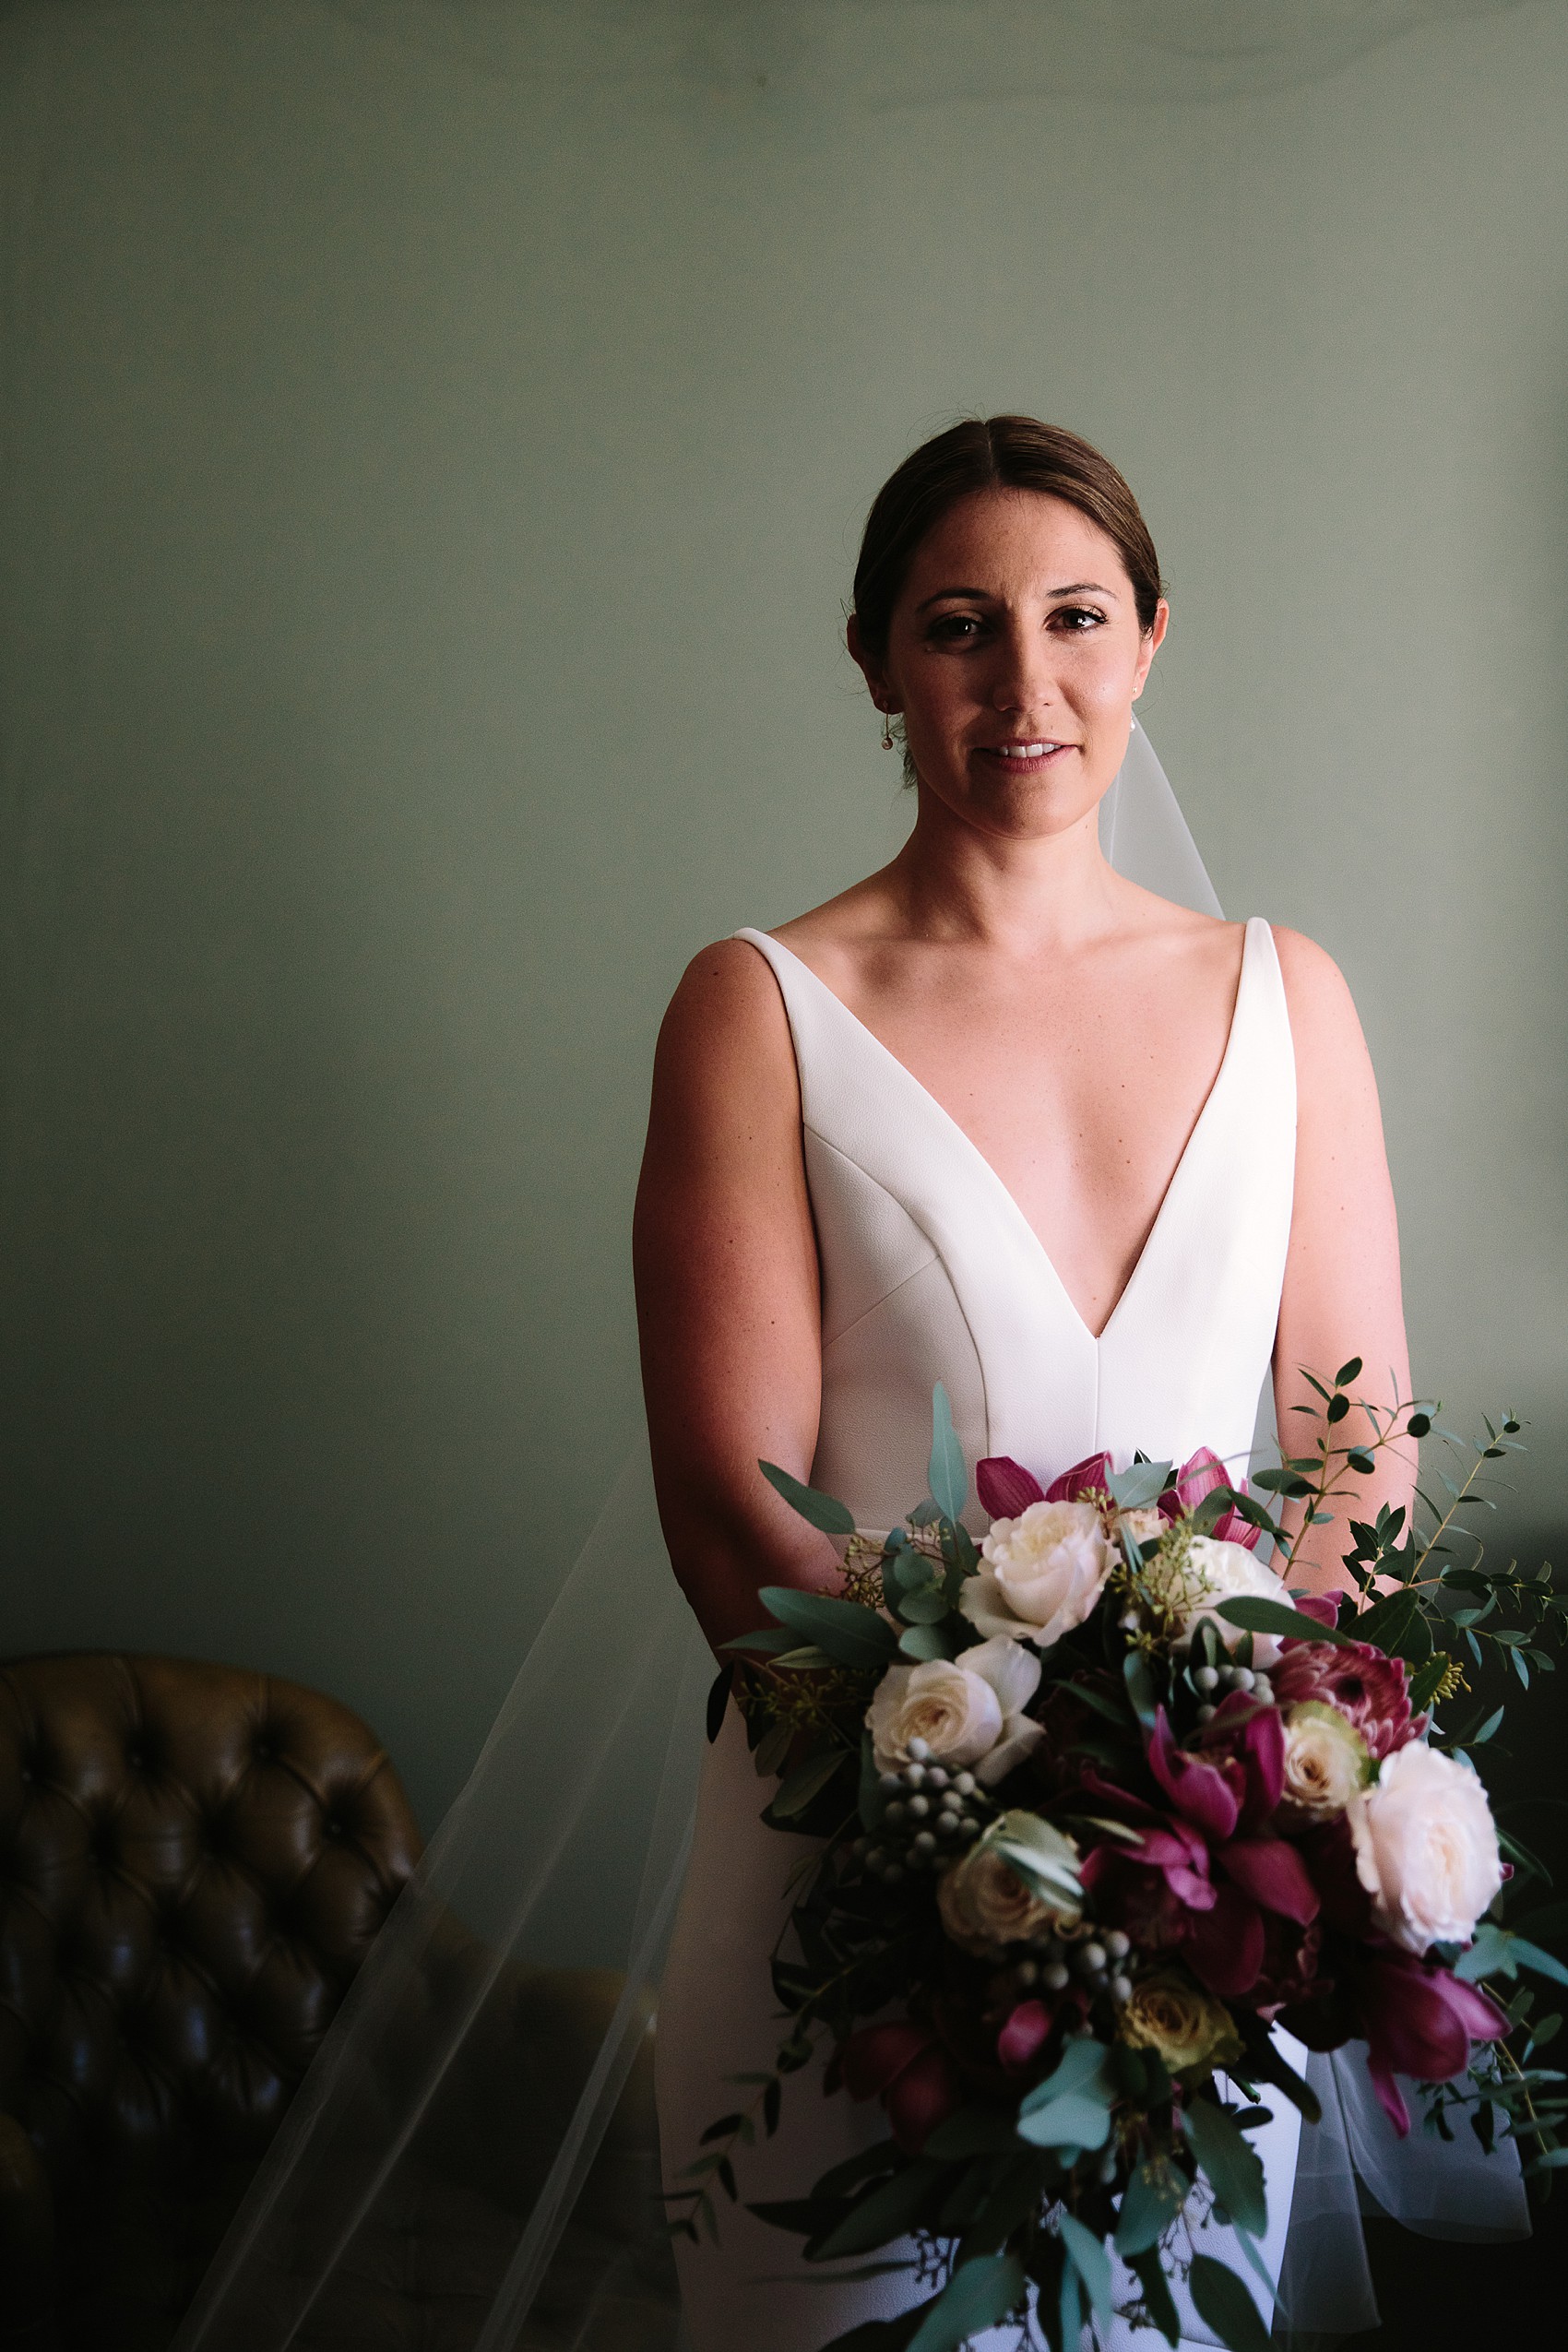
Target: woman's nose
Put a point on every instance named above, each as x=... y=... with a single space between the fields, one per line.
x=1026 y=675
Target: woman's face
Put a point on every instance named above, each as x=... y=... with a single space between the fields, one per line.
x=1016 y=657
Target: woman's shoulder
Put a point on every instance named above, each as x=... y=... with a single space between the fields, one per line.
x=725 y=1020
x=1334 y=1069
x=1315 y=989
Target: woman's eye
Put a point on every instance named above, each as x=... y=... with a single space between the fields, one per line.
x=955 y=628
x=1077 y=619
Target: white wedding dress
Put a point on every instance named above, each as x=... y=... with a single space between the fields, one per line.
x=444 y=2159
x=930 y=1272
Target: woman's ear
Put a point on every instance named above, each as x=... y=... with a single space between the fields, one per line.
x=1154 y=638
x=876 y=682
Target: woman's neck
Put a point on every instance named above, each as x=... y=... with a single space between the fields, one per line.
x=1021 y=897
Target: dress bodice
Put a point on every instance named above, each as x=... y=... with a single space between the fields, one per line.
x=930 y=1271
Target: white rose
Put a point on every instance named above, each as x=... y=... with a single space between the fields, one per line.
x=1146 y=1524
x=968 y=1710
x=1221 y=1572
x=1042 y=1574
x=1326 y=1760
x=1426 y=1847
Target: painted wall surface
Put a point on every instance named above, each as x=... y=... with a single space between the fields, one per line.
x=435 y=438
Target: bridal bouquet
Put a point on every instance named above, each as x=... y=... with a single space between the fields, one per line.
x=1100 y=1803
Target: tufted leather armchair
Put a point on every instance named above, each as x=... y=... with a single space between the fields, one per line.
x=193 y=1862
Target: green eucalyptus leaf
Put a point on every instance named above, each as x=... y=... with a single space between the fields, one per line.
x=889 y=2211
x=1396 y=1624
x=924 y=1642
x=926 y=1606
x=1138 y=1676
x=1234 y=2169
x=949 y=1480
x=1257 y=1615
x=854 y=1635
x=1039 y=1853
x=1222 y=2299
x=808 y=1780
x=1282 y=1481
x=1205 y=1516
x=979 y=2295
x=884 y=2156
x=821 y=1510
x=1497 y=1952
x=974 y=2131
x=1149 y=2272
x=1140 y=1484
x=1154 y=2196
x=1092 y=2263
x=1072 y=2107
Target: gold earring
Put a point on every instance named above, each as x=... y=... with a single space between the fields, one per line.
x=887 y=730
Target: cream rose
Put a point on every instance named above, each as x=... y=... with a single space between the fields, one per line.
x=968 y=1710
x=1043 y=1572
x=1426 y=1847
x=1183 y=2024
x=1326 y=1762
x=986 y=1902
x=1197 y=1572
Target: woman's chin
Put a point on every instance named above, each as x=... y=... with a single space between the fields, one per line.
x=1015 y=809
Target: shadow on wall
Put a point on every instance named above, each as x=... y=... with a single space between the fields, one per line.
x=243 y=1332
x=882 y=53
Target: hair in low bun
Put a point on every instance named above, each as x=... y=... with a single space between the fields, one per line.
x=993 y=453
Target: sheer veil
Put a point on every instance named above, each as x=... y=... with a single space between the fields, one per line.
x=474 y=2136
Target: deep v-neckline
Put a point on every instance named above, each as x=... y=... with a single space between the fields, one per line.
x=1002 y=1191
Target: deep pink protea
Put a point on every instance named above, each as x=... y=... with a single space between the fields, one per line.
x=1371 y=1690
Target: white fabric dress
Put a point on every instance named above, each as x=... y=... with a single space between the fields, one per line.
x=930 y=1271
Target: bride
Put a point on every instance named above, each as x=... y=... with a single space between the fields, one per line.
x=994 y=1115
x=997 y=1116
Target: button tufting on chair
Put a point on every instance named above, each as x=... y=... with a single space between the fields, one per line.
x=178 y=1926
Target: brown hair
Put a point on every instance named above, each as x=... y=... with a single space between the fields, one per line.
x=993 y=453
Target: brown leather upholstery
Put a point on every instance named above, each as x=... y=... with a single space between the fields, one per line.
x=194 y=1861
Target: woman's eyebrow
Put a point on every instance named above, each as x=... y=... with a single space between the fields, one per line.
x=983 y=596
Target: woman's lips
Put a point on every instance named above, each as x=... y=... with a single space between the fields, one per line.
x=1024 y=759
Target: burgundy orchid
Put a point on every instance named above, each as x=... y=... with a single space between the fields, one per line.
x=1025 y=2035
x=1197 y=1477
x=906 y=2067
x=1005 y=1489
x=1370 y=1690
x=1091 y=1476
x=1223 y=1869
x=1419 y=2020
x=1199 y=1790
x=1224 y=1947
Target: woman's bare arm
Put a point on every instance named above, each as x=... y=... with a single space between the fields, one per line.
x=1342 y=1294
x=727 y=1293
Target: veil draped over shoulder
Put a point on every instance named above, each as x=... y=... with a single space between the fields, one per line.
x=471 y=2162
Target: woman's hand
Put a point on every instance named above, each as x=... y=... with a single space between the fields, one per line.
x=1342 y=1295
x=729 y=1292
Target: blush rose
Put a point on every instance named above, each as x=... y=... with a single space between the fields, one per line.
x=1426 y=1849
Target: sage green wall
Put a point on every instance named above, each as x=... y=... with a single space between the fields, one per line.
x=435 y=438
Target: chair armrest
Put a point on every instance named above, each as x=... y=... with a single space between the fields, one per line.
x=27 y=2245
